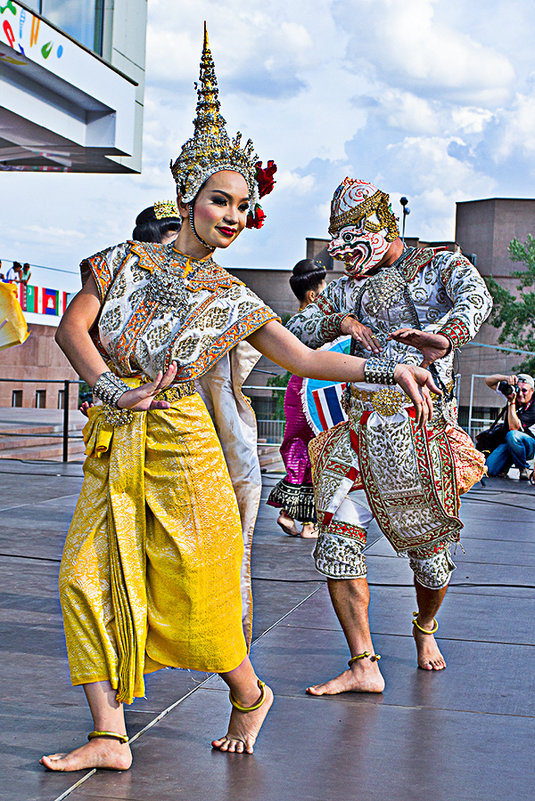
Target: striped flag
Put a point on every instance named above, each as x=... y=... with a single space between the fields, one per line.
x=63 y=301
x=32 y=300
x=328 y=405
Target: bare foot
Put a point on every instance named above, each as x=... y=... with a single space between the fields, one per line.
x=287 y=524
x=429 y=656
x=102 y=752
x=309 y=531
x=363 y=676
x=244 y=727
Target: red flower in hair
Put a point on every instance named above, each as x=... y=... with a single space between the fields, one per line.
x=264 y=177
x=255 y=220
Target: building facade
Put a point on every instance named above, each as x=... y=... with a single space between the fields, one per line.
x=72 y=84
x=485 y=228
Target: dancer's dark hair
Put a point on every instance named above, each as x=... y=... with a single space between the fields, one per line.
x=306 y=275
x=150 y=229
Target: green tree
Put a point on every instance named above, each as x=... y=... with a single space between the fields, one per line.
x=278 y=397
x=279 y=381
x=515 y=313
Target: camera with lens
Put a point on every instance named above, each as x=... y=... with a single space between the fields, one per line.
x=507 y=389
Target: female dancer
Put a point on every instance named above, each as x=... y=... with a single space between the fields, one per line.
x=294 y=494
x=154 y=557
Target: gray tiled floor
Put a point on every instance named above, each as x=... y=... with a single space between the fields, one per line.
x=465 y=733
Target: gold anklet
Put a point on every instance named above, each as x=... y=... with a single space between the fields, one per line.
x=252 y=708
x=122 y=737
x=364 y=655
x=424 y=631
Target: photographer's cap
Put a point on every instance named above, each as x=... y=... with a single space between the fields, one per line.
x=526 y=379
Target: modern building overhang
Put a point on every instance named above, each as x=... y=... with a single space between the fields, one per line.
x=62 y=108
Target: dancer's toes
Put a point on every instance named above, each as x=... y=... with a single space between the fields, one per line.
x=309 y=531
x=287 y=524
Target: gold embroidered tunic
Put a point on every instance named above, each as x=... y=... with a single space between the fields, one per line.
x=151 y=569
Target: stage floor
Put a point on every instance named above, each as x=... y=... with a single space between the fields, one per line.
x=465 y=733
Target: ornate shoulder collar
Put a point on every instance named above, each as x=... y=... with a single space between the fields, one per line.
x=197 y=273
x=414 y=262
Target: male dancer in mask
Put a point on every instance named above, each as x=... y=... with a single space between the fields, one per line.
x=398 y=304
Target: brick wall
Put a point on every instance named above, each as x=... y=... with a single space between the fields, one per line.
x=38 y=358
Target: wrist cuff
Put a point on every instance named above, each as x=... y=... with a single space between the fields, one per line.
x=109 y=388
x=379 y=371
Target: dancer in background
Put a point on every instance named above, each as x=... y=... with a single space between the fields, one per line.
x=294 y=494
x=155 y=569
x=158 y=223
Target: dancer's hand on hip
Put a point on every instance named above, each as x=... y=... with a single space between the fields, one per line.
x=141 y=398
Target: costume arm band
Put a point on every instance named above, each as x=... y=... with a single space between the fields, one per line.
x=471 y=300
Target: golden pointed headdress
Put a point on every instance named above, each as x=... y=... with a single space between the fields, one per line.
x=210 y=149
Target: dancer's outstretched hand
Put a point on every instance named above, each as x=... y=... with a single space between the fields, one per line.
x=416 y=382
x=141 y=398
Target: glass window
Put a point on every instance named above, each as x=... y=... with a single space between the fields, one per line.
x=79 y=18
x=40 y=398
x=16 y=397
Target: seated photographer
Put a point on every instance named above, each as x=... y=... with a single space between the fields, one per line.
x=518 y=446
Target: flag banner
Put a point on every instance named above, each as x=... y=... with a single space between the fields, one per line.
x=31 y=299
x=321 y=399
x=50 y=301
x=41 y=300
x=327 y=401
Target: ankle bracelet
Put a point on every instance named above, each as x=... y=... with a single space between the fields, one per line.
x=241 y=708
x=420 y=628
x=364 y=655
x=113 y=734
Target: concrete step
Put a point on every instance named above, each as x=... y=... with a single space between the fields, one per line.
x=269 y=457
x=40 y=450
x=25 y=441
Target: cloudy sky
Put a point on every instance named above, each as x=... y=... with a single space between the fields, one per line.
x=432 y=99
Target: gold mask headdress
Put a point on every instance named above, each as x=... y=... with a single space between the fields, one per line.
x=211 y=150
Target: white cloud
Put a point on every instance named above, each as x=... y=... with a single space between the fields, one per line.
x=293 y=183
x=429 y=99
x=411 y=48
x=516 y=130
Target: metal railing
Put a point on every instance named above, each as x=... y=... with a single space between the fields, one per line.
x=269 y=429
x=270 y=425
x=476 y=424
x=65 y=434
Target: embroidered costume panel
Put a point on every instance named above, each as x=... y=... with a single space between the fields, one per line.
x=160 y=306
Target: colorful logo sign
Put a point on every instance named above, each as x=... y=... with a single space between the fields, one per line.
x=22 y=31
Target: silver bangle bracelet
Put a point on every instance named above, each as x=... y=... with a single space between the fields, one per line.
x=109 y=388
x=379 y=371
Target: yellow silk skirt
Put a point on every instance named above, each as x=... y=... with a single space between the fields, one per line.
x=150 y=575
